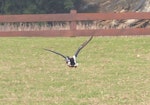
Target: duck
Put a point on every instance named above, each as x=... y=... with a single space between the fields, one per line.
x=71 y=61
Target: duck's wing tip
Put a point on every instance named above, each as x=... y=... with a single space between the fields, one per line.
x=82 y=46
x=55 y=52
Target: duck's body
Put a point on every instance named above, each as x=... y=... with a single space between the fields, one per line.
x=71 y=62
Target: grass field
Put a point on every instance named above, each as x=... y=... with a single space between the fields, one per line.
x=111 y=71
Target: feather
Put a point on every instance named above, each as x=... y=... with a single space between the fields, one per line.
x=82 y=46
x=56 y=53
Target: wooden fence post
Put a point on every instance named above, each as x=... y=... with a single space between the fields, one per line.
x=73 y=24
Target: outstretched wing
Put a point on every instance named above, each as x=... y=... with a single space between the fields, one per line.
x=56 y=53
x=82 y=46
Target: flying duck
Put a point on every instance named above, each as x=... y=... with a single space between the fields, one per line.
x=71 y=61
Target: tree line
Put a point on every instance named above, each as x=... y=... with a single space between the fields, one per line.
x=38 y=6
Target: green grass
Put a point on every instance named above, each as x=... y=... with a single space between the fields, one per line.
x=111 y=71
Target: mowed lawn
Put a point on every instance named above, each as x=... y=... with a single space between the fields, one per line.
x=111 y=71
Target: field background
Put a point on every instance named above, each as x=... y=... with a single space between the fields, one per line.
x=111 y=71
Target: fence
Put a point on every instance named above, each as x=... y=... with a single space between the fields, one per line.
x=73 y=17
